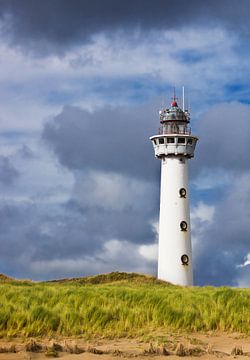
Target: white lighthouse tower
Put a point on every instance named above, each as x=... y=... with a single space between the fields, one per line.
x=174 y=146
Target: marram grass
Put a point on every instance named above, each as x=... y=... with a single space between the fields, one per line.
x=118 y=304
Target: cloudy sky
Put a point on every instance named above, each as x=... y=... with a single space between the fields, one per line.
x=81 y=84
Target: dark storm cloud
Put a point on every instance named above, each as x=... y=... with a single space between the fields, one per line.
x=224 y=131
x=109 y=140
x=31 y=234
x=126 y=224
x=107 y=145
x=49 y=26
x=37 y=231
x=118 y=139
x=25 y=152
x=8 y=173
x=224 y=243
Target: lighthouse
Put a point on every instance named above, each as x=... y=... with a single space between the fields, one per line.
x=174 y=146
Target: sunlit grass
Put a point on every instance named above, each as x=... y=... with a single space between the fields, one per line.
x=118 y=305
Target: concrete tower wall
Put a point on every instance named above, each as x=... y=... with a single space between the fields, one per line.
x=174 y=242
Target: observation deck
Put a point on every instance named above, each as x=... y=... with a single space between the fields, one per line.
x=174 y=135
x=174 y=144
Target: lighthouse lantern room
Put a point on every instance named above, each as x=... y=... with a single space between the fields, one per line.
x=174 y=146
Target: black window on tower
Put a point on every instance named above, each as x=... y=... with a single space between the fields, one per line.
x=181 y=140
x=182 y=192
x=185 y=259
x=183 y=226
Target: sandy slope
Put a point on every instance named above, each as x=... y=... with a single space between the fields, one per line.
x=205 y=346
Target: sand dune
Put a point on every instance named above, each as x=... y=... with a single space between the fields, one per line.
x=205 y=346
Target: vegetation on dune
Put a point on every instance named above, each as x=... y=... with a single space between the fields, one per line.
x=118 y=304
x=113 y=277
x=5 y=278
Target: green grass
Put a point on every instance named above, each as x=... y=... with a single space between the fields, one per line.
x=118 y=304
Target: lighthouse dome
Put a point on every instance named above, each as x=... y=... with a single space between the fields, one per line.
x=174 y=113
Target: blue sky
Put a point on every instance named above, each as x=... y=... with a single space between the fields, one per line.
x=81 y=84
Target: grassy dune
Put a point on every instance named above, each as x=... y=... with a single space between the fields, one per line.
x=118 y=304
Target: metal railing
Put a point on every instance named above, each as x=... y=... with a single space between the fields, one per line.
x=186 y=131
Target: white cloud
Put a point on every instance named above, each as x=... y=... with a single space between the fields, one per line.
x=114 y=255
x=111 y=56
x=246 y=262
x=202 y=212
x=110 y=190
x=41 y=180
x=34 y=88
x=149 y=252
x=201 y=216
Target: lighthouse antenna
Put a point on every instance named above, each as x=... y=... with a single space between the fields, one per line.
x=183 y=98
x=174 y=98
x=187 y=104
